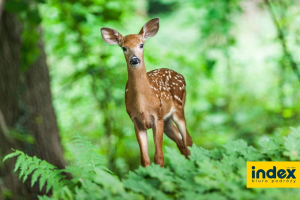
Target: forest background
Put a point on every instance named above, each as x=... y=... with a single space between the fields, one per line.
x=240 y=59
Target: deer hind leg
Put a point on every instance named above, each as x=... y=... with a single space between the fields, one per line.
x=173 y=133
x=141 y=136
x=180 y=122
x=158 y=139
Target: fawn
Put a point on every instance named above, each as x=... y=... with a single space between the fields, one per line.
x=153 y=100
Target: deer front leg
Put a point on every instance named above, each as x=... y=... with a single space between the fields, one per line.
x=142 y=139
x=158 y=139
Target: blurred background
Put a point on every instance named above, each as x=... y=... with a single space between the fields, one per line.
x=240 y=59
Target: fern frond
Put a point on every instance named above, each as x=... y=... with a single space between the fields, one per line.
x=35 y=176
x=16 y=153
x=86 y=157
x=24 y=166
x=50 y=182
x=44 y=177
x=20 y=160
x=31 y=168
x=47 y=173
x=35 y=160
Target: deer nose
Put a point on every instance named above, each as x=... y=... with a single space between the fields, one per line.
x=135 y=61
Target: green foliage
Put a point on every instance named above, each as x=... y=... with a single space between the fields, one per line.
x=291 y=145
x=39 y=169
x=239 y=85
x=87 y=160
x=217 y=173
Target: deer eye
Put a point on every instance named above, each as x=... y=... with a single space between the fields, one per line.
x=124 y=48
x=141 y=46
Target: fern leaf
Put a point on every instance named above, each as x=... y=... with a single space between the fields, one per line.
x=45 y=165
x=43 y=179
x=86 y=157
x=31 y=168
x=36 y=160
x=16 y=153
x=20 y=160
x=60 y=177
x=66 y=182
x=24 y=166
x=67 y=193
x=49 y=184
x=35 y=176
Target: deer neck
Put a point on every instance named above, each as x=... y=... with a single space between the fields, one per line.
x=138 y=81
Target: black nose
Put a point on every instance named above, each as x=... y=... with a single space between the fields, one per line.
x=134 y=60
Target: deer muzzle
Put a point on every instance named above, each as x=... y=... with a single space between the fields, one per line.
x=135 y=61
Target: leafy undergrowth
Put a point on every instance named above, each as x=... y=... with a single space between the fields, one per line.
x=209 y=174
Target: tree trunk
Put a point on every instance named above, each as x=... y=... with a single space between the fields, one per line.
x=25 y=109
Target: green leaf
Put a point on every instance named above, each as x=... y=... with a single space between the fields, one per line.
x=16 y=153
x=291 y=144
x=19 y=161
x=49 y=184
x=31 y=168
x=167 y=186
x=215 y=153
x=43 y=179
x=35 y=176
x=269 y=146
x=198 y=153
x=236 y=146
x=24 y=166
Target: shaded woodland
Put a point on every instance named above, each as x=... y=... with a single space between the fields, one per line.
x=240 y=60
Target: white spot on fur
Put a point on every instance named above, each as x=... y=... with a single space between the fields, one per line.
x=176 y=97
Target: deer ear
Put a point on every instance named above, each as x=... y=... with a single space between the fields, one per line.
x=111 y=36
x=150 y=28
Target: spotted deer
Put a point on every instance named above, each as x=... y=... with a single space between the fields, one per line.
x=153 y=100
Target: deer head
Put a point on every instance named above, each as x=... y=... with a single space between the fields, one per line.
x=133 y=44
